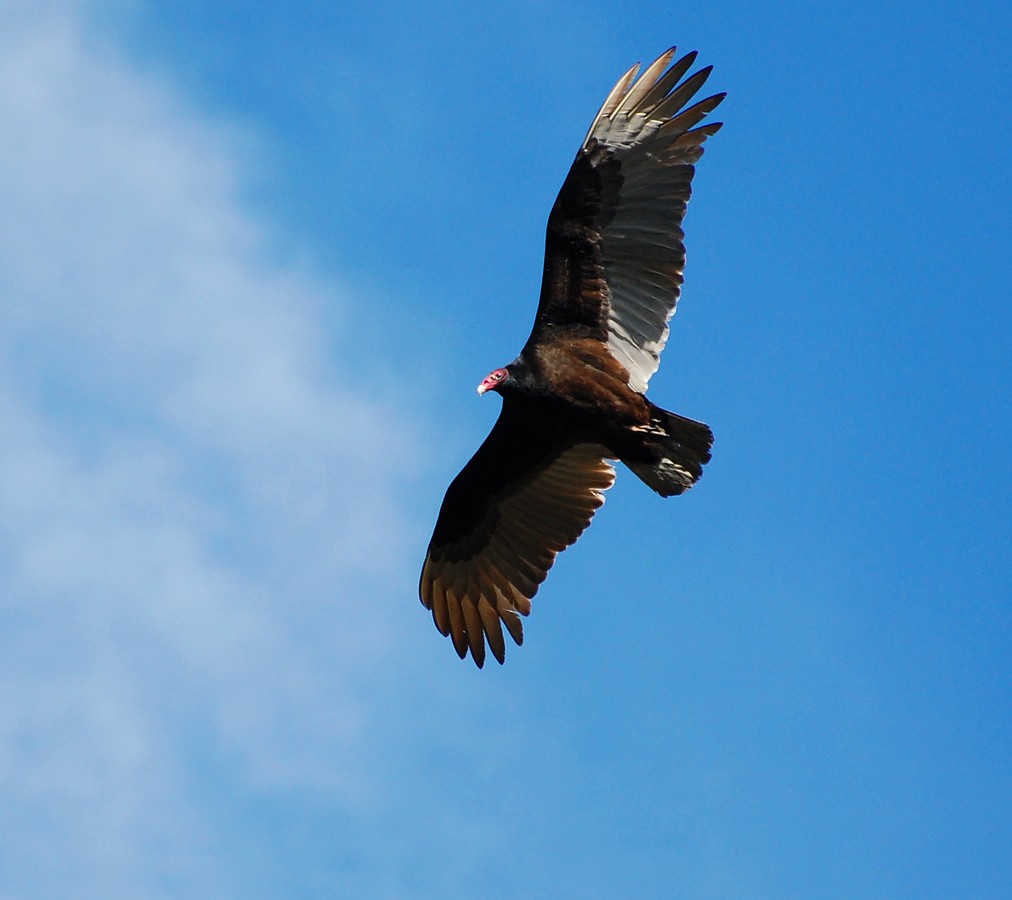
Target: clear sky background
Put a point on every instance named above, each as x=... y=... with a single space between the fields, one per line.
x=254 y=259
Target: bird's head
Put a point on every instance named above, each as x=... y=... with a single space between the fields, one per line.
x=494 y=380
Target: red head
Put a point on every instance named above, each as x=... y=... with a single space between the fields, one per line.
x=492 y=381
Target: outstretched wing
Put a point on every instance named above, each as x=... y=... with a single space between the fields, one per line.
x=614 y=249
x=525 y=496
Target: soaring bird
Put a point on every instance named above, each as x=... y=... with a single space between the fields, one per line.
x=575 y=396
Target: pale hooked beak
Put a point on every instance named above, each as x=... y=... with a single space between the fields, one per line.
x=482 y=388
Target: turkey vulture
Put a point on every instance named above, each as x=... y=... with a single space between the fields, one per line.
x=574 y=397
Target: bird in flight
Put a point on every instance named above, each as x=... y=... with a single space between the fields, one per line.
x=575 y=396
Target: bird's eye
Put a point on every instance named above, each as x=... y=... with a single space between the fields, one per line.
x=498 y=375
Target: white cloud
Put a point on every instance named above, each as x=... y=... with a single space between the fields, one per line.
x=194 y=517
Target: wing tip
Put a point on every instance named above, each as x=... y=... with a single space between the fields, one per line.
x=474 y=627
x=658 y=94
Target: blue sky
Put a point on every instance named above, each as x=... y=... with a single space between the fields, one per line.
x=254 y=262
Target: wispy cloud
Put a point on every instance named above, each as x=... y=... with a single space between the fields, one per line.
x=194 y=517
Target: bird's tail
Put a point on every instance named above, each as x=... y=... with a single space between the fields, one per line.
x=670 y=453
